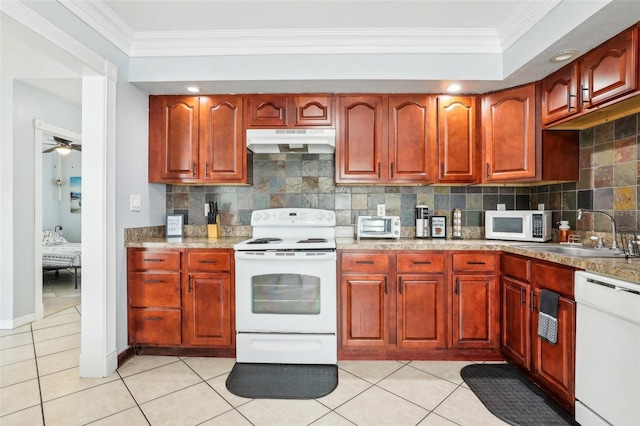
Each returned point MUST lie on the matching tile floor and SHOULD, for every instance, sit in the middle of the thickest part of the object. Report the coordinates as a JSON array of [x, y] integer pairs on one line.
[[60, 293], [40, 385]]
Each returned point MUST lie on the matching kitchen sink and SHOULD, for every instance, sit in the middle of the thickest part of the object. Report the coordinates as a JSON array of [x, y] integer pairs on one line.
[[576, 251]]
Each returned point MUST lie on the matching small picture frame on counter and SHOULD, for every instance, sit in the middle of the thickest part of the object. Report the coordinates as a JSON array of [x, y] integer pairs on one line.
[[175, 226], [438, 227]]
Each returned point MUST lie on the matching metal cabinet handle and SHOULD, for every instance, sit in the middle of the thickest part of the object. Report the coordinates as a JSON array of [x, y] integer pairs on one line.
[[364, 262], [153, 318], [207, 261], [153, 260], [472, 262], [392, 169], [457, 290], [379, 168], [569, 96], [533, 296], [521, 296], [194, 169], [488, 169], [206, 169], [426, 262], [386, 286], [441, 169], [189, 283], [582, 99], [152, 281], [400, 285]]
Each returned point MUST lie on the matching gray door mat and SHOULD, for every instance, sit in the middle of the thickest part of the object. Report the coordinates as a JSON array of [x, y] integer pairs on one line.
[[282, 381], [509, 395]]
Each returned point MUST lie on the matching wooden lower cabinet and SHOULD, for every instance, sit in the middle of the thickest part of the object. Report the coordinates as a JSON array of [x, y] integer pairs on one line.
[[552, 366], [402, 308], [181, 298]]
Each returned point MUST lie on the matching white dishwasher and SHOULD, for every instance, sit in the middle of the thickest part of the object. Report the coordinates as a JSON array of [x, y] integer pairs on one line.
[[607, 350]]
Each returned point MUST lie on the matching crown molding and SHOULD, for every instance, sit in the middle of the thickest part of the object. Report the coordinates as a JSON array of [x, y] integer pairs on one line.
[[523, 18], [303, 41]]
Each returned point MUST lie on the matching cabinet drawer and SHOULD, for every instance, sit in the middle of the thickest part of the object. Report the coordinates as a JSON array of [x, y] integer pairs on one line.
[[553, 277], [516, 267], [153, 260], [474, 262], [419, 262], [160, 290], [205, 261], [364, 262], [155, 326]]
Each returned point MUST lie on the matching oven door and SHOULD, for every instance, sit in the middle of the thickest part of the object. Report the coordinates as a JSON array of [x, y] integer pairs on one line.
[[286, 292]]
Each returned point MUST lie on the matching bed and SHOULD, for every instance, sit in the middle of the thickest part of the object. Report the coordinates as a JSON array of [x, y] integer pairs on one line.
[[58, 253]]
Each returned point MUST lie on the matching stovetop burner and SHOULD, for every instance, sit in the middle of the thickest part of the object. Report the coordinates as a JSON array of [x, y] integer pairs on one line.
[[265, 240], [312, 240]]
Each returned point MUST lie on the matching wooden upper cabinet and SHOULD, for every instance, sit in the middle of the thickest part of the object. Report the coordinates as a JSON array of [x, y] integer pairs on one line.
[[275, 111], [173, 138], [560, 94], [359, 147], [223, 151], [610, 70], [197, 139], [313, 110], [510, 134], [385, 139], [457, 140], [411, 134]]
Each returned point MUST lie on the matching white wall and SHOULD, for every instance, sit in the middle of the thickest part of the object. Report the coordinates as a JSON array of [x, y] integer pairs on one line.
[[31, 102]]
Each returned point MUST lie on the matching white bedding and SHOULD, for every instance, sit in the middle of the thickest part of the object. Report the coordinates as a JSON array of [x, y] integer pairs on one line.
[[62, 255]]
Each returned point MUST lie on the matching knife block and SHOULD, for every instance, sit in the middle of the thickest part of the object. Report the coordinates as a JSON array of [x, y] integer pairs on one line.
[[213, 230]]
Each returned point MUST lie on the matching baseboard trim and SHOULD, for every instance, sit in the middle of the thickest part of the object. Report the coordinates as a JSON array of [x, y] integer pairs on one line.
[[125, 356]]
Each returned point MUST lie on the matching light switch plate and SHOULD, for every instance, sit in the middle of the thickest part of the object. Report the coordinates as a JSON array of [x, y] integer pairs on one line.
[[541, 207], [502, 207], [381, 209], [135, 202]]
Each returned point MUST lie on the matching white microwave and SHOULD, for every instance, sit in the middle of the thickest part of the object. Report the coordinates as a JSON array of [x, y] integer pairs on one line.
[[518, 225]]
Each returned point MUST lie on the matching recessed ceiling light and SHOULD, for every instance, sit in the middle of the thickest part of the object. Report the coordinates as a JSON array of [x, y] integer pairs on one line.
[[193, 89], [454, 88], [565, 55]]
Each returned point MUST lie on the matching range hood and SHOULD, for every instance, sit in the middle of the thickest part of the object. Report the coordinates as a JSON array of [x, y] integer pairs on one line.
[[312, 141]]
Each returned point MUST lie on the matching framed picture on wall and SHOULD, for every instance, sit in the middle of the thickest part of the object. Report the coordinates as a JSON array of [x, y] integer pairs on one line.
[[175, 226], [438, 227]]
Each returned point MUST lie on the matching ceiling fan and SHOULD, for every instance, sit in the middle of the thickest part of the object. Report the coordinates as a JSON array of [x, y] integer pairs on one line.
[[62, 146]]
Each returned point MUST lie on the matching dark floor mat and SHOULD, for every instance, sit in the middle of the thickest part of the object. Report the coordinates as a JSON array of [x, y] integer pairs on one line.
[[511, 397], [282, 381]]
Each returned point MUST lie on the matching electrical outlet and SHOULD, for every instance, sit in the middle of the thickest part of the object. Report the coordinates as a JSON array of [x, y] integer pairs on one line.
[[502, 207], [541, 206], [381, 209], [135, 203]]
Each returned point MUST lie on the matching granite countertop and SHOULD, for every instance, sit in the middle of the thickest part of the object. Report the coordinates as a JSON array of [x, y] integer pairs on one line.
[[624, 269]]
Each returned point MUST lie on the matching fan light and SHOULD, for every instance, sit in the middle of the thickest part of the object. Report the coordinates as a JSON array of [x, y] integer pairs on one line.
[[63, 150]]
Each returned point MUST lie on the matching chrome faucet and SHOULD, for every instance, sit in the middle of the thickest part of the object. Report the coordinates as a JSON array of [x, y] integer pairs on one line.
[[614, 244]]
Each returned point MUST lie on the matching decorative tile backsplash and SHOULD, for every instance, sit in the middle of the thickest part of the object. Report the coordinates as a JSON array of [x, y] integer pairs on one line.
[[609, 180]]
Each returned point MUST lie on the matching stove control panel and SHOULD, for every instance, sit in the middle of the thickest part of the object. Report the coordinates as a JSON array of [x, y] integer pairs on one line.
[[293, 216]]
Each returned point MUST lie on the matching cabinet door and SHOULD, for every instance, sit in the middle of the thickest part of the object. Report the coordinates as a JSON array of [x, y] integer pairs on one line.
[[411, 135], [509, 136], [364, 310], [361, 140], [267, 111], [516, 340], [208, 310], [156, 327], [457, 139], [554, 365], [476, 313], [173, 138], [222, 148], [421, 312], [560, 97], [313, 110], [609, 70]]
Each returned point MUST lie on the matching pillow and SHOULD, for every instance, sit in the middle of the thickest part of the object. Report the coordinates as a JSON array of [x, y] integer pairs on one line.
[[51, 238]]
